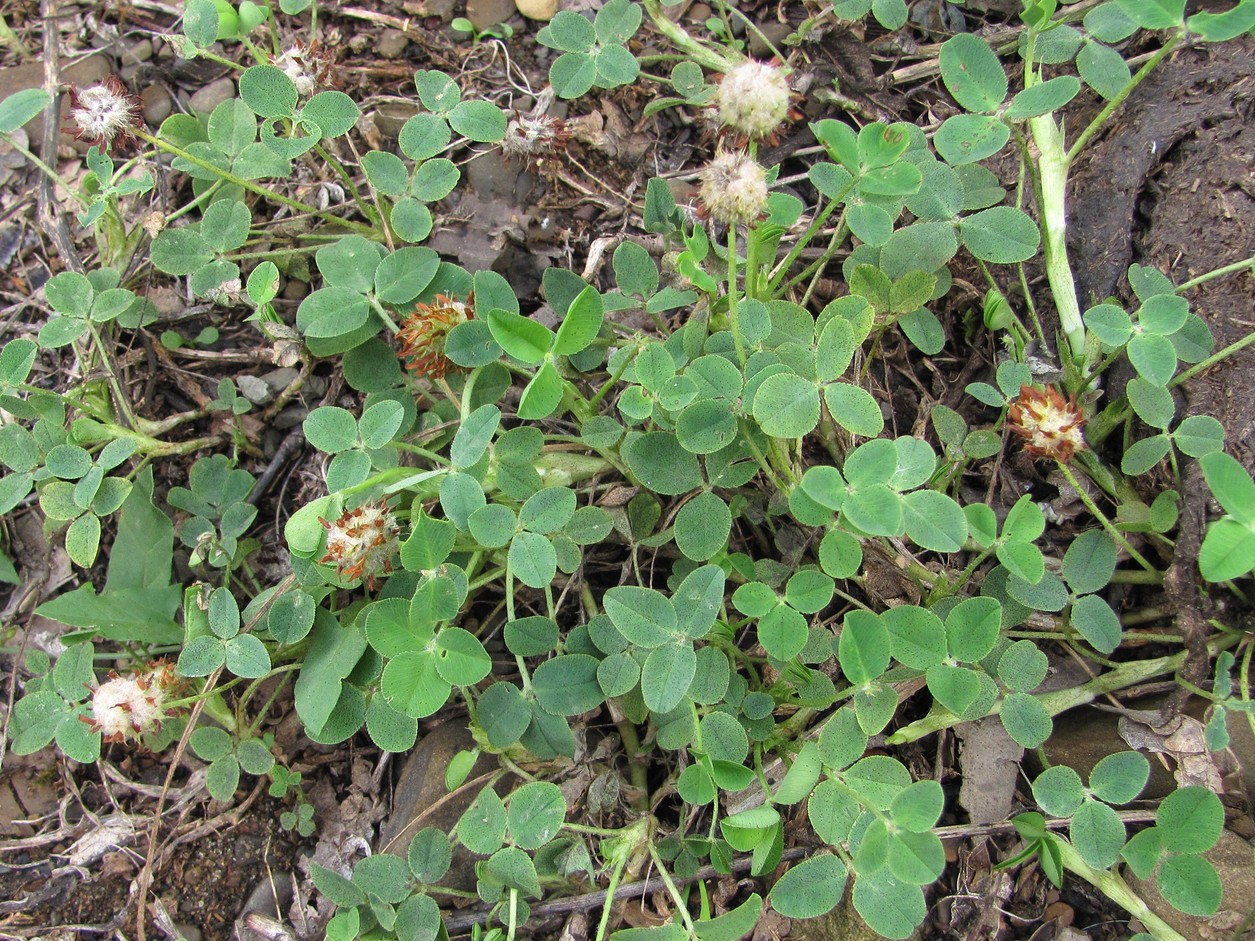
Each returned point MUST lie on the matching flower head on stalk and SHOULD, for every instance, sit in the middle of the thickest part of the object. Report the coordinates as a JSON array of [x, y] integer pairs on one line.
[[533, 137], [734, 188], [423, 334], [1051, 426], [362, 542], [753, 100], [310, 67], [104, 113], [130, 707]]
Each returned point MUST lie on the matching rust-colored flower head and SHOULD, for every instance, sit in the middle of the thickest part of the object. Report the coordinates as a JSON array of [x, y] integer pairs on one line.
[[1051, 426], [754, 99], [362, 542], [105, 113], [422, 335], [734, 188], [129, 707], [310, 67], [531, 137]]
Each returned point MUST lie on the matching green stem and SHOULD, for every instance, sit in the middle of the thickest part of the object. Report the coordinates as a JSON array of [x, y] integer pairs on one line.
[[1116, 889], [1101, 118], [1123, 676], [326, 215], [1090, 505], [675, 892], [733, 314], [1052, 167], [611, 888], [697, 51], [1248, 264], [1211, 360]]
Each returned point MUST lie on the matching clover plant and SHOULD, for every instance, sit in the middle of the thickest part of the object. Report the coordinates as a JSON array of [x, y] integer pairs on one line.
[[683, 530]]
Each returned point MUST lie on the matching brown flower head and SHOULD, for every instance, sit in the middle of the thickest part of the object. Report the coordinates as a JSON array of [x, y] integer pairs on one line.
[[531, 137], [310, 67], [422, 335], [105, 113], [129, 707], [1051, 426], [362, 542]]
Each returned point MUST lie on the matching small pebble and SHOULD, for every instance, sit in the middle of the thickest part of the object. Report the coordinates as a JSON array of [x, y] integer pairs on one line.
[[142, 51], [156, 104], [212, 95], [537, 9], [487, 13], [255, 390], [392, 44]]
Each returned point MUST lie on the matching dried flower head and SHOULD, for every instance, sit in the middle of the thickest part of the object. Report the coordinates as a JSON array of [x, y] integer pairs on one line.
[[105, 113], [734, 188], [753, 99], [310, 67], [530, 136], [129, 707], [362, 542], [422, 335], [1051, 426]]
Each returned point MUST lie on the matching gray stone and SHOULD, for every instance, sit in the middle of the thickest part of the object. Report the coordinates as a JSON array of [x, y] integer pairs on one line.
[[392, 44], [142, 51], [487, 13], [254, 389], [212, 95], [775, 31], [156, 104], [279, 379], [391, 116]]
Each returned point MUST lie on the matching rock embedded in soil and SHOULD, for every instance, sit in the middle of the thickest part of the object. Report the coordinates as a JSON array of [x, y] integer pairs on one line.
[[537, 9], [156, 104], [484, 14], [392, 44], [206, 99]]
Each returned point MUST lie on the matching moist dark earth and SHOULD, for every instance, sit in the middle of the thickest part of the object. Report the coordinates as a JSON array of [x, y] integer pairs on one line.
[[1170, 183]]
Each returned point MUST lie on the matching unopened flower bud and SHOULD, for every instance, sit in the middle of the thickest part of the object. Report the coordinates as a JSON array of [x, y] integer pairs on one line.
[[753, 99], [734, 188]]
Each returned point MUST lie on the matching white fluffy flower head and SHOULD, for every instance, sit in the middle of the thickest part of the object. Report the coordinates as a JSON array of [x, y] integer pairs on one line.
[[734, 188], [129, 707], [753, 99], [104, 112], [362, 542]]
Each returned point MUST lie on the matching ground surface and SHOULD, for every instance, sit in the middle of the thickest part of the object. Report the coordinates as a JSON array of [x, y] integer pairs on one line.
[[1171, 183]]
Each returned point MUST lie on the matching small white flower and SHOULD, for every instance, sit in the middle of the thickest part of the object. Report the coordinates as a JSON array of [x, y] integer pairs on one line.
[[734, 188], [362, 542], [753, 99], [129, 707], [291, 64], [104, 112]]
